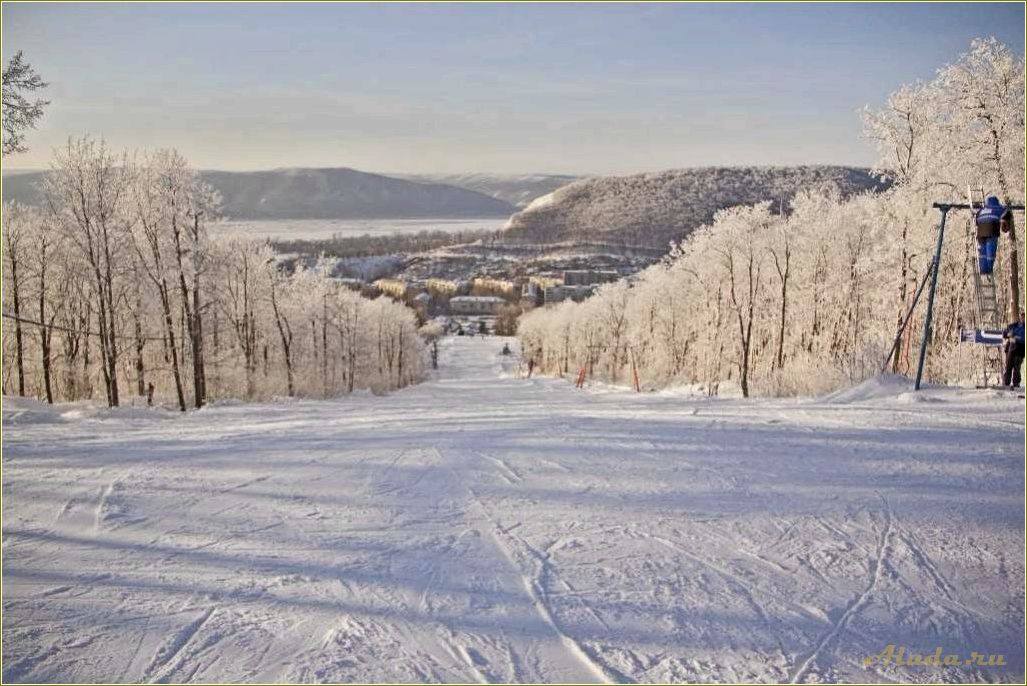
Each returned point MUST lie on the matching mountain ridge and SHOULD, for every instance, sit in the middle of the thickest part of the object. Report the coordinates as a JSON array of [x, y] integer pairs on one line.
[[318, 193], [654, 209], [517, 189]]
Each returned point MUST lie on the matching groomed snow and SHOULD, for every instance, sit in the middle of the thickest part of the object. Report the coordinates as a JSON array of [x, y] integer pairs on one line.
[[484, 527]]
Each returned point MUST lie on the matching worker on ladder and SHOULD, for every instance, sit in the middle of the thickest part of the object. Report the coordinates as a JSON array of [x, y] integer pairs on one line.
[[991, 218]]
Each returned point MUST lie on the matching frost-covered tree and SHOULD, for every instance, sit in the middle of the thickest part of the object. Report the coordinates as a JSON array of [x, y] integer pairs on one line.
[[811, 300], [963, 130], [87, 194], [17, 224], [19, 112], [118, 284]]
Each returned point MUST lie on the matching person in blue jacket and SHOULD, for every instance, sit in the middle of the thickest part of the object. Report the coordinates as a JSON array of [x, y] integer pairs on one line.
[[1013, 336], [991, 219]]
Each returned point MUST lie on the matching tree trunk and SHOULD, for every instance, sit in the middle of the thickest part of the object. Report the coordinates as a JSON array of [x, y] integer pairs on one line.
[[16, 298], [199, 368], [783, 274], [399, 365], [746, 347], [188, 332], [784, 318], [87, 388], [71, 349], [285, 333], [744, 327], [196, 330], [324, 345], [44, 333], [104, 354], [112, 342], [140, 344], [169, 326]]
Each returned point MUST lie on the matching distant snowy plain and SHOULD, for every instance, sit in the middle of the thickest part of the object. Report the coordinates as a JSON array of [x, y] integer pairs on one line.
[[483, 527], [322, 229]]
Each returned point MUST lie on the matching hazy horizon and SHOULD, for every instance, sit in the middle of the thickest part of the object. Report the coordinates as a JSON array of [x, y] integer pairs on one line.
[[398, 173], [494, 88]]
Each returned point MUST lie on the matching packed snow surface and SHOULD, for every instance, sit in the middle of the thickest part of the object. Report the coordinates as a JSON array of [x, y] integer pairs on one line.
[[485, 527]]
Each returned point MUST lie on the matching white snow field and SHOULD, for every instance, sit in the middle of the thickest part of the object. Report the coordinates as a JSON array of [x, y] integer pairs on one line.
[[486, 528]]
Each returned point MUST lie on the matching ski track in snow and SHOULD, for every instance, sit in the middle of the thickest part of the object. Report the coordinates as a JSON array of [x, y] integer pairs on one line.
[[857, 604], [484, 528]]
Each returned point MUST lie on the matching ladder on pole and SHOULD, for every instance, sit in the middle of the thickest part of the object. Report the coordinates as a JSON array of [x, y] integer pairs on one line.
[[989, 323]]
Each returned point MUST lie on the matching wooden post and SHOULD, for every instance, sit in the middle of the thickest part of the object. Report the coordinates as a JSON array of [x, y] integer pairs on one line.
[[1014, 274]]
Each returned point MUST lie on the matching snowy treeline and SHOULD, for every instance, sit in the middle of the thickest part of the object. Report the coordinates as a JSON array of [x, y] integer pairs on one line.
[[116, 285], [812, 300]]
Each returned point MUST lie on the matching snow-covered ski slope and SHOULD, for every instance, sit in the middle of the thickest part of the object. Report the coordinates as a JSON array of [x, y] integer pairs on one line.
[[483, 527]]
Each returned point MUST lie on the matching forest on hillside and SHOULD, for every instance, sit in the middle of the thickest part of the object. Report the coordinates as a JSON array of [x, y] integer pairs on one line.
[[657, 209], [811, 299]]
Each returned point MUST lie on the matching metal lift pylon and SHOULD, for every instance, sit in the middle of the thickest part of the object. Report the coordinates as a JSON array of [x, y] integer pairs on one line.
[[987, 305]]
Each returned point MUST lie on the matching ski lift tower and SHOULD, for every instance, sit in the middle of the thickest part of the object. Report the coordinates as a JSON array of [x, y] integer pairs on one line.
[[985, 288]]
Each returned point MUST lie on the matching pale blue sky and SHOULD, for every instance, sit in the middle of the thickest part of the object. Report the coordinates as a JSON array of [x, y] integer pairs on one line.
[[581, 88]]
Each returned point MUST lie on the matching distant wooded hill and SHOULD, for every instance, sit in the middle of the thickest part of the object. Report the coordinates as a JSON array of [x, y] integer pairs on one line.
[[657, 208], [336, 193], [648, 210], [516, 189]]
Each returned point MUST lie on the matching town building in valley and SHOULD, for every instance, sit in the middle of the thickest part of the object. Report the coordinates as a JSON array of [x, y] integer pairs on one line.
[[475, 304]]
